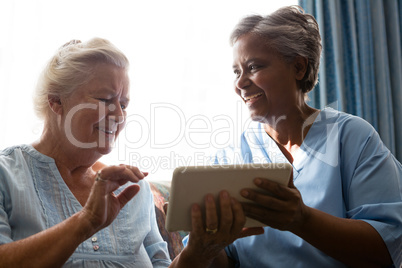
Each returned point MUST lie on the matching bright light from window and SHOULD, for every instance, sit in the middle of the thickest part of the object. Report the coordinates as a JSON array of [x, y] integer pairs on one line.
[[183, 105]]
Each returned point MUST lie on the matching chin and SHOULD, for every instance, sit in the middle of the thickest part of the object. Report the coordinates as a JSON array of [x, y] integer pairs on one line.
[[258, 117], [106, 148]]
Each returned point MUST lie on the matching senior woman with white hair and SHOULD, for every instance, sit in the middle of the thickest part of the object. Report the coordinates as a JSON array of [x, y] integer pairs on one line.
[[59, 206]]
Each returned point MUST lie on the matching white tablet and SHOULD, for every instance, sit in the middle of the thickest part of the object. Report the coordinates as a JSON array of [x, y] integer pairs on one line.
[[191, 184]]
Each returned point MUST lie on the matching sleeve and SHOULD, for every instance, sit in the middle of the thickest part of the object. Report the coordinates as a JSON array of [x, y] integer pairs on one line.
[[232, 254], [155, 246], [185, 240], [5, 229], [374, 187]]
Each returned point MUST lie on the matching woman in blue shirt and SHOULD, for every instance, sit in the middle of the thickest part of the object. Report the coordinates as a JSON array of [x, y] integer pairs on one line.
[[344, 204]]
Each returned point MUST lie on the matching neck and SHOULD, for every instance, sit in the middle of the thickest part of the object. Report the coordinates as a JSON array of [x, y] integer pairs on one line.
[[290, 127], [70, 160]]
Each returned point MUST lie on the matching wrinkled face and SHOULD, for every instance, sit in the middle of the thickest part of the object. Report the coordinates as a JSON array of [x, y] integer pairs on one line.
[[95, 113], [264, 80]]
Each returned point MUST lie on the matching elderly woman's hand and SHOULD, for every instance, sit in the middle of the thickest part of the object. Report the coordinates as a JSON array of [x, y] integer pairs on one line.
[[103, 205], [208, 238], [283, 209]]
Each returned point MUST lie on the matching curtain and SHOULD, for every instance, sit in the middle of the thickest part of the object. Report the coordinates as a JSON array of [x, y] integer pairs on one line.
[[361, 65]]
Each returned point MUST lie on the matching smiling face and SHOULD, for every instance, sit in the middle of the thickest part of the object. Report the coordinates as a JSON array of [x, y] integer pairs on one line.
[[264, 80], [95, 113]]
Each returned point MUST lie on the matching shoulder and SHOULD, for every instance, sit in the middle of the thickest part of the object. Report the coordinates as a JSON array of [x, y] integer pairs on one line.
[[345, 121], [355, 130], [23, 151], [359, 142], [349, 129], [10, 150], [11, 156], [13, 167]]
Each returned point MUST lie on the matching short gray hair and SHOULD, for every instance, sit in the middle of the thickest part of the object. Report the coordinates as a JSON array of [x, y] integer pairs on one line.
[[292, 33], [72, 66]]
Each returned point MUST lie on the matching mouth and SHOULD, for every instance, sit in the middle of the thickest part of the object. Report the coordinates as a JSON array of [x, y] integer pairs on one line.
[[252, 98], [107, 131]]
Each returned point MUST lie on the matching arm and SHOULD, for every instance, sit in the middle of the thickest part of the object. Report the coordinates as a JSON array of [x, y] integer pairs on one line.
[[353, 242], [52, 247], [49, 248]]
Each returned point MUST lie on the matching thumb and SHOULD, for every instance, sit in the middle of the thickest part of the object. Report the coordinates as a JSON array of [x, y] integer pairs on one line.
[[251, 231], [127, 194], [165, 207]]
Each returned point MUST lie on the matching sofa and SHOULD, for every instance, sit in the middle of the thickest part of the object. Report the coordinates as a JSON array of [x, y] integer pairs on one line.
[[160, 191]]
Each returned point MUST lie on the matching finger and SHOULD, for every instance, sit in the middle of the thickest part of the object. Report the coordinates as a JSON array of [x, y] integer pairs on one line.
[[251, 231], [112, 177], [122, 172], [239, 219], [276, 189], [196, 219], [211, 217], [253, 209], [259, 213], [226, 215], [104, 182], [132, 174], [165, 207], [136, 172], [268, 201], [108, 172], [127, 194]]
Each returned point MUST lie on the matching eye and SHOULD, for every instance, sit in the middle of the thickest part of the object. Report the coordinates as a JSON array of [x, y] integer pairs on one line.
[[237, 73], [102, 100], [123, 106], [253, 67]]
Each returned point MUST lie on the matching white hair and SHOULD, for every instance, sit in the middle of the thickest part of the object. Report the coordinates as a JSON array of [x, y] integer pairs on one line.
[[72, 66]]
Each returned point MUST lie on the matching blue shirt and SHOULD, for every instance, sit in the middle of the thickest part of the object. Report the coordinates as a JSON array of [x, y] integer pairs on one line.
[[34, 197], [341, 168]]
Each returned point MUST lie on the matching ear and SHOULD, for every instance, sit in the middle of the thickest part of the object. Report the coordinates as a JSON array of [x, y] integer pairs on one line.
[[300, 64], [55, 104]]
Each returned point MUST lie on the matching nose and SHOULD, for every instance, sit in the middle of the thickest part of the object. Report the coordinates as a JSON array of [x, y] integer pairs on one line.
[[242, 81], [116, 113]]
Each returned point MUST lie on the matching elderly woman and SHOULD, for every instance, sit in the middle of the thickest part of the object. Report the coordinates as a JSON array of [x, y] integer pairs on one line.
[[344, 203], [59, 206]]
